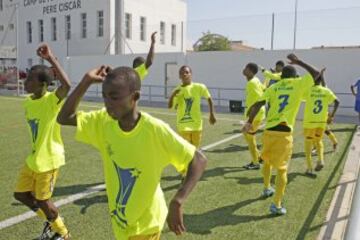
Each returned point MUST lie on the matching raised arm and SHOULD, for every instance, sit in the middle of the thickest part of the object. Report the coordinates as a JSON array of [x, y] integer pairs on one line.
[[45, 52], [150, 56], [293, 59], [175, 217], [67, 115]]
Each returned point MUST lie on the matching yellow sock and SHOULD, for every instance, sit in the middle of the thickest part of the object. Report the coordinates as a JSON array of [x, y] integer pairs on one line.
[[308, 149], [332, 138], [281, 181], [267, 174], [320, 150], [41, 214], [59, 227], [254, 152]]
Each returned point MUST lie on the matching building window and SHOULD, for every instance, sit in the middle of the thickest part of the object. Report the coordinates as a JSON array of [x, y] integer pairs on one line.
[[100, 23], [128, 25], [67, 27], [11, 26], [1, 28], [30, 63], [162, 32], [83, 25], [29, 32], [173, 34], [142, 28], [53, 29], [1, 5], [41, 30]]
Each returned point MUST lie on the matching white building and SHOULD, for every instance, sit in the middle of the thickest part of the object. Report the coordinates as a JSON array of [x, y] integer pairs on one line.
[[91, 27]]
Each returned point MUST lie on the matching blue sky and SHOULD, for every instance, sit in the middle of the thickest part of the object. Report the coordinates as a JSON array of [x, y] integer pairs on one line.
[[320, 22]]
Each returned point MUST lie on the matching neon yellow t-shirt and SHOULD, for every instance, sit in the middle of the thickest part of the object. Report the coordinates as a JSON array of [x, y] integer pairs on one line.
[[271, 78], [142, 71], [47, 146], [317, 99], [133, 163], [188, 103], [254, 90], [285, 99]]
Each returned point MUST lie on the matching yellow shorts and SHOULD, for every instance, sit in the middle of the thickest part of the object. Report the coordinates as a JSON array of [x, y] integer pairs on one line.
[[155, 236], [255, 127], [277, 148], [315, 133], [40, 184], [193, 137]]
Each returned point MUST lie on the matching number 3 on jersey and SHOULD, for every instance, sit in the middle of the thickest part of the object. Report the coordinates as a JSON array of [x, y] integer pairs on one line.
[[318, 107], [284, 102]]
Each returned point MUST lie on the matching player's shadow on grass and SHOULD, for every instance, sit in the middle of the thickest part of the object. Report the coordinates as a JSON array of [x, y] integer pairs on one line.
[[214, 172], [203, 223], [85, 203], [231, 148], [302, 154], [259, 180], [72, 189]]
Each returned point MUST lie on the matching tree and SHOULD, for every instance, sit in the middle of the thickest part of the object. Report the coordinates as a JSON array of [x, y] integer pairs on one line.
[[212, 42]]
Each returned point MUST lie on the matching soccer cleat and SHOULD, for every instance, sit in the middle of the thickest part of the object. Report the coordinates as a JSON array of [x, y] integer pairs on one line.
[[252, 166], [319, 166], [277, 211], [47, 233], [59, 237], [261, 161], [268, 192], [334, 147]]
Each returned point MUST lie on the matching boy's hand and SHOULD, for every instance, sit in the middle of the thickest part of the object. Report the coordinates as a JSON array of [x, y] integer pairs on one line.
[[175, 219], [293, 59], [97, 75], [44, 52], [153, 37], [247, 127], [212, 119]]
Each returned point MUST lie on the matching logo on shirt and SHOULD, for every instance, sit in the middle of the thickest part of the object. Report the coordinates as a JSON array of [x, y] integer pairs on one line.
[[127, 179], [187, 116], [34, 127]]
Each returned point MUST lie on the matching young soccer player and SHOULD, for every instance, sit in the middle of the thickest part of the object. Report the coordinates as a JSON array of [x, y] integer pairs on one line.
[[316, 117], [356, 93], [135, 148], [273, 76], [141, 65], [187, 99], [285, 99], [253, 91], [38, 176]]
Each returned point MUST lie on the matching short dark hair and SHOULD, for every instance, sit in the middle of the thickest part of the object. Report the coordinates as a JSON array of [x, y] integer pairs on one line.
[[253, 67], [43, 73], [127, 75], [138, 61], [183, 67], [289, 72], [280, 63]]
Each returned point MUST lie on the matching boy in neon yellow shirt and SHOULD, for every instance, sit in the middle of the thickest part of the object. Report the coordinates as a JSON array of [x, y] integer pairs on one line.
[[285, 100], [187, 99], [253, 91], [272, 76], [37, 178], [316, 117], [140, 65], [135, 148]]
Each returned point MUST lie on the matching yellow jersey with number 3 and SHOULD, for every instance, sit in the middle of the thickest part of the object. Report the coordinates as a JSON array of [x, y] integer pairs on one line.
[[285, 99], [317, 99]]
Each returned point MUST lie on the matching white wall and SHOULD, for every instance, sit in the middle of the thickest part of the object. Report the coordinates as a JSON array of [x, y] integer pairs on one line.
[[224, 69]]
